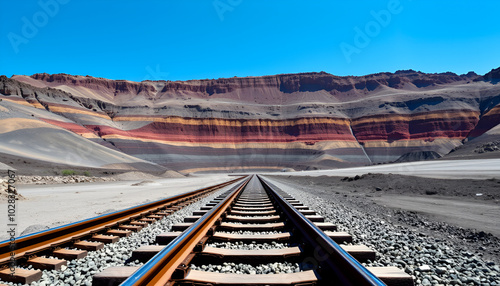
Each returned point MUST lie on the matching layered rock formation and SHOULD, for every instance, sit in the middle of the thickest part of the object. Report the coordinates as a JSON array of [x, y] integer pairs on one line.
[[300, 121]]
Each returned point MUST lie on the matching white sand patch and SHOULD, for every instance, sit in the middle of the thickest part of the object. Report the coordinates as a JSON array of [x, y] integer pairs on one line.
[[441, 169]]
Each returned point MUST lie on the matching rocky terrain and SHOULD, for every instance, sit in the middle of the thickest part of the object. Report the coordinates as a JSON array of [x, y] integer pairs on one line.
[[300, 121], [6, 189], [46, 180]]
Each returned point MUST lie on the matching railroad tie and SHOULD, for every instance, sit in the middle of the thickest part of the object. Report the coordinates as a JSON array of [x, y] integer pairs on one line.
[[166, 237], [20, 275], [361, 253], [113, 275], [253, 219], [269, 212], [181, 226], [119, 232], [105, 238], [326, 226], [252, 227], [134, 228], [392, 275], [157, 216], [88, 245], [139, 223], [213, 278], [192, 218], [47, 263], [282, 236], [315, 218], [70, 254], [164, 213], [253, 208], [339, 236], [146, 252], [250, 256], [307, 212]]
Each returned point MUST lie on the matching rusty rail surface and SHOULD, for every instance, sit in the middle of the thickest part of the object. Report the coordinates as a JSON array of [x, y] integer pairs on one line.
[[32, 244]]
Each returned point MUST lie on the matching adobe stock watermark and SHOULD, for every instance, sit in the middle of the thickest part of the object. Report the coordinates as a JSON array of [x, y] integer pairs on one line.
[[155, 74], [31, 26], [12, 222], [372, 29], [223, 6]]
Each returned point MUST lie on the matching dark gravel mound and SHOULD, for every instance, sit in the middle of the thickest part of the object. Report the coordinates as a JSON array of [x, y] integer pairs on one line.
[[418, 156]]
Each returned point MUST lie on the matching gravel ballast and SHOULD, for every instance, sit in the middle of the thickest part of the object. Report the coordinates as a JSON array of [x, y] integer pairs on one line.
[[248, 232], [241, 268], [248, 246], [430, 260]]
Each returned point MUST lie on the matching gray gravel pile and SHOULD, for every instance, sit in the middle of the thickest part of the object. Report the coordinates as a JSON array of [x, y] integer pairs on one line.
[[240, 268], [431, 261], [248, 246], [248, 232], [80, 271]]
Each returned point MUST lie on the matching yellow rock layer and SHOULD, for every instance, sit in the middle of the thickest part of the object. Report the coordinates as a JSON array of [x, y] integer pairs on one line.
[[13, 124], [330, 144], [411, 143], [234, 122], [399, 117], [37, 105], [18, 101], [495, 110]]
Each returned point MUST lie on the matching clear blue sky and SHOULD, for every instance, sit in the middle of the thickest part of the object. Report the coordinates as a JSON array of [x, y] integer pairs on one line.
[[180, 40]]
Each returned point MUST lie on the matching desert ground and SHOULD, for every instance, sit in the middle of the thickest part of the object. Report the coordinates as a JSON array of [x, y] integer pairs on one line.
[[464, 212]]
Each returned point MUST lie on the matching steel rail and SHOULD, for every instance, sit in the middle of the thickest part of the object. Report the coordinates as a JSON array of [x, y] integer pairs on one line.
[[31, 244], [338, 267], [159, 269]]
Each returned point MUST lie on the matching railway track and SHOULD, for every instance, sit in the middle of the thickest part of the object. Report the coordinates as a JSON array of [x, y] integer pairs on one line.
[[22, 260], [253, 234]]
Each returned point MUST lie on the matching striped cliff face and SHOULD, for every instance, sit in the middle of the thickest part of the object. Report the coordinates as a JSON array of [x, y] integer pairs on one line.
[[288, 121], [197, 143], [386, 137]]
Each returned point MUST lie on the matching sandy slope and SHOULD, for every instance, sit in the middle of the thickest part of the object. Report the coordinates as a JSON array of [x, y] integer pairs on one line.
[[24, 134]]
